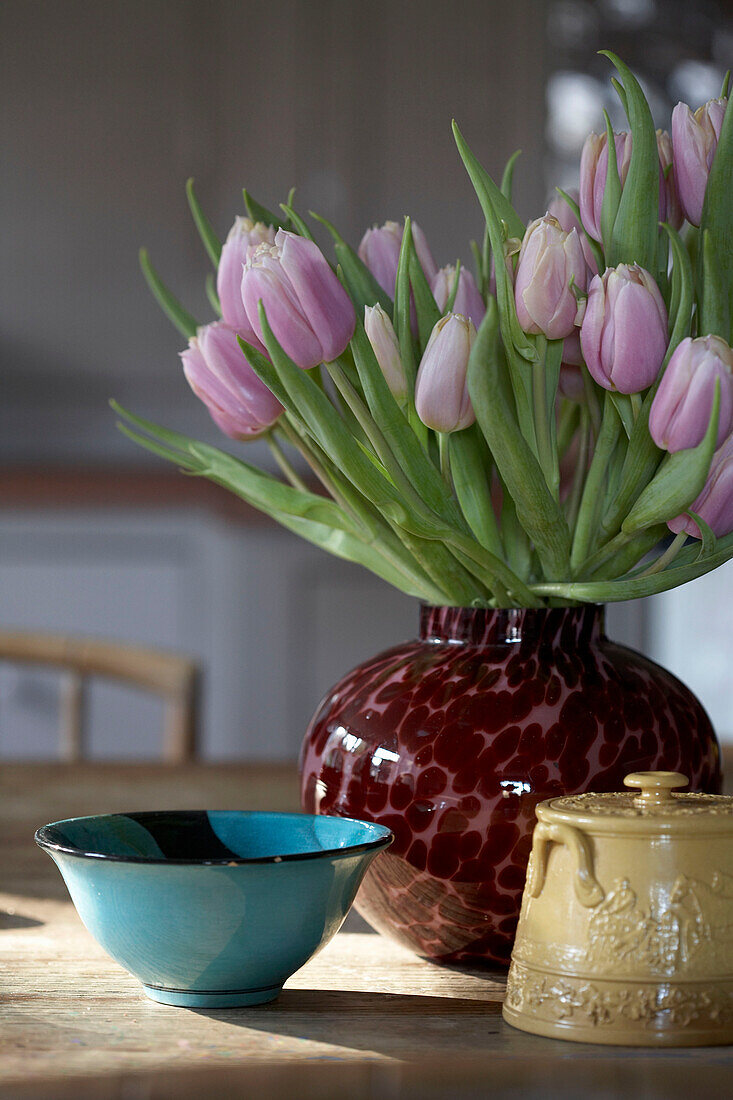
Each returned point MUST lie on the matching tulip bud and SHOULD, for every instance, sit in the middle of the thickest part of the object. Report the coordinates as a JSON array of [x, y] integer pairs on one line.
[[624, 330], [670, 208], [468, 301], [380, 251], [550, 260], [593, 171], [683, 404], [386, 348], [308, 310], [559, 209], [715, 503], [441, 392], [244, 235], [570, 383], [694, 141], [219, 374]]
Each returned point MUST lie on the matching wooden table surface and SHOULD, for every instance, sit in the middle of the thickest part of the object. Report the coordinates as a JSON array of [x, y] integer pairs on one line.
[[364, 1019]]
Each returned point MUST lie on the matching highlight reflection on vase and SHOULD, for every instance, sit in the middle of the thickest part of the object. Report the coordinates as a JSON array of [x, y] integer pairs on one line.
[[452, 740]]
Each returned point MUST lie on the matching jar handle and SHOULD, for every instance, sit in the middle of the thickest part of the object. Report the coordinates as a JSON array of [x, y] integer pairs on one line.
[[588, 890]]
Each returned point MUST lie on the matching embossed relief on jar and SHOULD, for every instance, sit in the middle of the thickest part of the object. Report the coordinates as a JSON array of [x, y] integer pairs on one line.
[[693, 924], [663, 939], [586, 1003]]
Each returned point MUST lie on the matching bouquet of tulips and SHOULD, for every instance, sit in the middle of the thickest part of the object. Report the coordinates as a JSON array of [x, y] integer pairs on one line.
[[525, 436]]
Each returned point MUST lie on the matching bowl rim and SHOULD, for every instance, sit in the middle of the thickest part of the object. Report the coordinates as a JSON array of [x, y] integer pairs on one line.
[[375, 844]]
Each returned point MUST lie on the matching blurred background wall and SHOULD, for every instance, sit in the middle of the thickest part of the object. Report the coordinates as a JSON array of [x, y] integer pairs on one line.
[[108, 107]]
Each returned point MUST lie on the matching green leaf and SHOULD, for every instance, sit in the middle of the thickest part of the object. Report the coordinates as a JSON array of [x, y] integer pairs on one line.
[[300, 395], [622, 401], [471, 467], [500, 219], [259, 213], [360, 283], [507, 180], [211, 242], [483, 181], [406, 447], [537, 510], [315, 518], [635, 231], [402, 323], [592, 498], [709, 541], [611, 196], [633, 588], [679, 480], [717, 220], [297, 222], [715, 303], [683, 288], [428, 313], [174, 311]]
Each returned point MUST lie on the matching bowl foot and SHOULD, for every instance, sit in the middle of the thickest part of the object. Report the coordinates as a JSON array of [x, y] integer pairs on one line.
[[214, 998]]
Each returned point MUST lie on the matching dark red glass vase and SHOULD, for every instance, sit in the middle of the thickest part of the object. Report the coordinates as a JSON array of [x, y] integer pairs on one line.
[[452, 739]]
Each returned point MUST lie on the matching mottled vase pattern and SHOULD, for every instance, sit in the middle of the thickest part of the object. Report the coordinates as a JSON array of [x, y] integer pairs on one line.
[[452, 739]]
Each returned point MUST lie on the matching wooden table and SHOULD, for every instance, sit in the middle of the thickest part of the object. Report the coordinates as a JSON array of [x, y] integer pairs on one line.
[[363, 1019]]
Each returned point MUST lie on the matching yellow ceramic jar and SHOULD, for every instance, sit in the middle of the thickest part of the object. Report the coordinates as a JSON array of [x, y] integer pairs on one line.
[[626, 929]]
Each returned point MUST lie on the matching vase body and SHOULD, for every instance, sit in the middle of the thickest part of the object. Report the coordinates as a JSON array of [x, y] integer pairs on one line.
[[451, 740]]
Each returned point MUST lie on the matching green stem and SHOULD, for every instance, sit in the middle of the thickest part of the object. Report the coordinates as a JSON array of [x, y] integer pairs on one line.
[[591, 499], [604, 554], [591, 397], [494, 569], [581, 465], [377, 534], [636, 405], [669, 555], [444, 452], [545, 451], [293, 477]]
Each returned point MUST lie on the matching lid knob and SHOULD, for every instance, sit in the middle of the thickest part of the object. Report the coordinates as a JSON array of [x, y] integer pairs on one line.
[[656, 787]]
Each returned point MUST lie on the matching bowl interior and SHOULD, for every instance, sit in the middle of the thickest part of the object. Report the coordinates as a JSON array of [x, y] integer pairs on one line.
[[214, 836]]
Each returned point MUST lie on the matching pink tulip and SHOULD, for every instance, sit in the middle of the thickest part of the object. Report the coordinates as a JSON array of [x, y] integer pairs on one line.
[[550, 262], [683, 404], [441, 391], [624, 330], [594, 168], [308, 310], [715, 503], [386, 348], [218, 373], [570, 383], [564, 214], [670, 208], [571, 350], [694, 140], [468, 301], [243, 236], [380, 251]]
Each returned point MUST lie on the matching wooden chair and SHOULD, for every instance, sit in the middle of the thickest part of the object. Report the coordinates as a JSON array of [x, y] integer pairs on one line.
[[175, 678]]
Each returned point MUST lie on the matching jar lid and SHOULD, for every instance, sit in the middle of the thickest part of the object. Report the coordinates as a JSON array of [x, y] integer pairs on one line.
[[652, 808]]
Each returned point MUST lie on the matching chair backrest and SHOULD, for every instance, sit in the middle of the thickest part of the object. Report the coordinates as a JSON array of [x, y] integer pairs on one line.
[[173, 677]]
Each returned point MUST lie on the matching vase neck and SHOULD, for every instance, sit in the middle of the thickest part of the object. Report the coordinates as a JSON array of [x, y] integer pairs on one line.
[[565, 627]]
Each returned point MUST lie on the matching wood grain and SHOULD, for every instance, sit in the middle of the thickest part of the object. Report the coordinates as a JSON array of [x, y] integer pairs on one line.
[[74, 1024]]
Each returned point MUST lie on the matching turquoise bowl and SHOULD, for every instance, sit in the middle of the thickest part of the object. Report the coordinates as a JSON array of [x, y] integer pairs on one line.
[[212, 909]]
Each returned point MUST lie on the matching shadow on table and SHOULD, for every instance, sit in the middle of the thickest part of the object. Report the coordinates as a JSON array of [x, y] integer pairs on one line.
[[390, 1024], [15, 920]]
